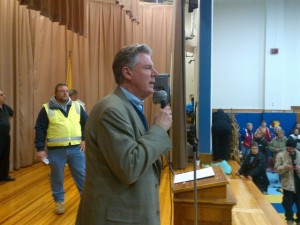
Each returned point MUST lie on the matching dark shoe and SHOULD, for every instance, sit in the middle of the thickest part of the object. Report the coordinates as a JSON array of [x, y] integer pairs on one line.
[[8, 178]]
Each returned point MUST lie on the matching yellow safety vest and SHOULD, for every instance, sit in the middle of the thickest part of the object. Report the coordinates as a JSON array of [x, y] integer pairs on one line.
[[63, 131]]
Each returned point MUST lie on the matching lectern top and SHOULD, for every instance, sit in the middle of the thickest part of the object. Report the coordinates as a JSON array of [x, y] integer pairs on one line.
[[219, 179]]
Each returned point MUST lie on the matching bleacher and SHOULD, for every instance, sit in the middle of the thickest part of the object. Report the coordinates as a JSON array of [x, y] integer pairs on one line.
[[235, 167], [252, 207]]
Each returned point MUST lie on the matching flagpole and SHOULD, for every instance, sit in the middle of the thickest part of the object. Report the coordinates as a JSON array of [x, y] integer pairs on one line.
[[69, 72]]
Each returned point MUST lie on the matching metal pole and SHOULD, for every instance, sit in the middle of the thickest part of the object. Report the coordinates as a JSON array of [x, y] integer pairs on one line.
[[195, 185]]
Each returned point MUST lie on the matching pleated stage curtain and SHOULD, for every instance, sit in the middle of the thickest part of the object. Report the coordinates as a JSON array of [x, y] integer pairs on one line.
[[34, 56], [130, 7], [66, 12]]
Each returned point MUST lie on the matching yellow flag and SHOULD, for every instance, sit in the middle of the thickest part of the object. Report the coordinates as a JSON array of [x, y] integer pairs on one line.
[[69, 73]]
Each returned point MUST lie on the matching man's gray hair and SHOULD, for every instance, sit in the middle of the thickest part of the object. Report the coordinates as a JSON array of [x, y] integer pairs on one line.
[[249, 124], [255, 144], [127, 57]]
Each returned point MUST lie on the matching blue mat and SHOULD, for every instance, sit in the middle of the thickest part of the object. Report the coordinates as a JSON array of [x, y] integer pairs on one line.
[[279, 208]]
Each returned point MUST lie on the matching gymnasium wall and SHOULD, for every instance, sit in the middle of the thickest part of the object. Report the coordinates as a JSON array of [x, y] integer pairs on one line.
[[286, 120]]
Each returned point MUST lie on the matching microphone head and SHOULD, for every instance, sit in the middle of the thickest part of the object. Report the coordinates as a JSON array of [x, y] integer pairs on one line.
[[160, 96]]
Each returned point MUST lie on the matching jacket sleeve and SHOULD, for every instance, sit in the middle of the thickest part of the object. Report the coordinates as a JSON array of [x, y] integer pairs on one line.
[[83, 118], [265, 148], [130, 154], [242, 135], [242, 170], [10, 111], [271, 146], [259, 168], [41, 127], [279, 163]]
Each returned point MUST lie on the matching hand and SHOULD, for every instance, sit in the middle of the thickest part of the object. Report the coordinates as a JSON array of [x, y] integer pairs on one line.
[[288, 167], [297, 167], [40, 155], [82, 146], [164, 118]]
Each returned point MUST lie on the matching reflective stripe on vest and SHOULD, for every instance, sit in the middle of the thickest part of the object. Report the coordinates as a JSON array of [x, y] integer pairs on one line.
[[63, 131], [63, 139]]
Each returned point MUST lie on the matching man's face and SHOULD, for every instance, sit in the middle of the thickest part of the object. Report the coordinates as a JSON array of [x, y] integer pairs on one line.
[[259, 134], [142, 76], [62, 94], [254, 150], [280, 134], [2, 97], [291, 150], [74, 97], [250, 127]]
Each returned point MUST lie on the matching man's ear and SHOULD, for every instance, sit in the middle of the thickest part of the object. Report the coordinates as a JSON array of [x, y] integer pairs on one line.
[[126, 72]]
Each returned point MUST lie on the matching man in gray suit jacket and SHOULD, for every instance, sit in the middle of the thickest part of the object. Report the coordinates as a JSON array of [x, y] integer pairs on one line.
[[122, 153]]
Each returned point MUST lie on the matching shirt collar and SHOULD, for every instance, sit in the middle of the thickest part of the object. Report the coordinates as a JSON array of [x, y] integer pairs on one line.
[[132, 98]]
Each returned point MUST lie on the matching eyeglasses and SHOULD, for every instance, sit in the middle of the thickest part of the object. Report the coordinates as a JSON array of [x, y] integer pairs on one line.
[[63, 91]]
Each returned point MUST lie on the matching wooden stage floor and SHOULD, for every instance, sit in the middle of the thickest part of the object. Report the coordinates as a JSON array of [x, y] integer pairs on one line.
[[28, 200]]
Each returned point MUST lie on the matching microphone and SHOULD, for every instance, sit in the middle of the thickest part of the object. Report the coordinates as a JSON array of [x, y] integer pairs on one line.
[[160, 97]]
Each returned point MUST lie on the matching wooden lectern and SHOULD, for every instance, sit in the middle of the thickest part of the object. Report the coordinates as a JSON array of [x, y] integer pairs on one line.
[[214, 205]]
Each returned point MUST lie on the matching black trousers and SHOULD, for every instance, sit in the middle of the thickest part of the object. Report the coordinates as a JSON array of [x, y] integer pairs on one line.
[[262, 182], [4, 155], [221, 146], [289, 198]]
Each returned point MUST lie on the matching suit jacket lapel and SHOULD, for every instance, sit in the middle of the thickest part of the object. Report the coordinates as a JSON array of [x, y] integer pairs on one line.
[[157, 164], [142, 117], [120, 93]]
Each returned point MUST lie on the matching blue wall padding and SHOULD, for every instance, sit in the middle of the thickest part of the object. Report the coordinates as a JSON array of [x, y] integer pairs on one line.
[[287, 120]]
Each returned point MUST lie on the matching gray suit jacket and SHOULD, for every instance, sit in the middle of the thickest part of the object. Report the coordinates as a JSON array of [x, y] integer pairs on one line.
[[122, 176]]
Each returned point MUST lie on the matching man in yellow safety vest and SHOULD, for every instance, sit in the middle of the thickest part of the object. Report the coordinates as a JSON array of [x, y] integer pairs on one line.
[[60, 126]]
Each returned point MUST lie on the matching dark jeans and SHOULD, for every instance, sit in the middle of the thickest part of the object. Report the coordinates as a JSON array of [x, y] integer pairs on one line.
[[289, 198], [4, 155]]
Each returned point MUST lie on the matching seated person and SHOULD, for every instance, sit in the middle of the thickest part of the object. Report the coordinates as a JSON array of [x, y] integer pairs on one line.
[[262, 145], [296, 137], [254, 169], [278, 144], [265, 131]]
